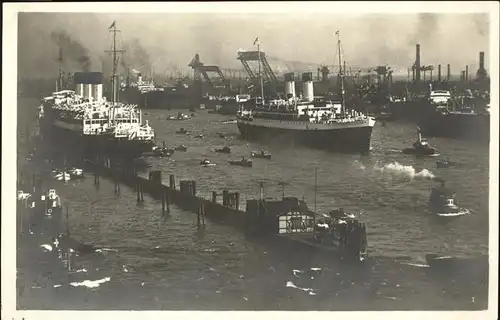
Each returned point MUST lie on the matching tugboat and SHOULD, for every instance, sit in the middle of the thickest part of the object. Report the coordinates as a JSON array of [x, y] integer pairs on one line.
[[182, 131], [226, 149], [421, 147], [442, 202], [262, 154], [243, 162], [206, 163], [182, 148]]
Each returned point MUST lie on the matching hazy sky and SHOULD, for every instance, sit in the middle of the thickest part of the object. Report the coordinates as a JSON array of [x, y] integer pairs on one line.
[[171, 40]]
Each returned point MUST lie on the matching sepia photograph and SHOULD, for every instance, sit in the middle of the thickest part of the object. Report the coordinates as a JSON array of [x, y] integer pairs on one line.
[[235, 157]]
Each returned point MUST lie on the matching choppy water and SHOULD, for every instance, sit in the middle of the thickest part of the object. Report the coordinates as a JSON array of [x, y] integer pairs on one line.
[[168, 264]]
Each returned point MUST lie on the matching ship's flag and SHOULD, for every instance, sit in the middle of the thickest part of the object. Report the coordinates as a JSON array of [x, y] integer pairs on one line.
[[256, 41], [112, 25]]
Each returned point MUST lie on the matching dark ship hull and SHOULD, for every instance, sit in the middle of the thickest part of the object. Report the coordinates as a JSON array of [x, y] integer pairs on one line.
[[158, 99], [411, 111], [456, 125], [349, 139], [75, 141]]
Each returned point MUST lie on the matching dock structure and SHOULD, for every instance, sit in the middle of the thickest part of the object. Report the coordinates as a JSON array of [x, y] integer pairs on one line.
[[260, 218]]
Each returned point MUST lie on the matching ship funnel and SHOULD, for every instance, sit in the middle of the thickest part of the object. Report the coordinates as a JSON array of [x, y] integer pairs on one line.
[[439, 73], [290, 85], [139, 77], [89, 85], [307, 86], [448, 72]]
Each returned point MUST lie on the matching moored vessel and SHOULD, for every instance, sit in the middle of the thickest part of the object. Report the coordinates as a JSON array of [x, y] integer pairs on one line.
[[310, 121]]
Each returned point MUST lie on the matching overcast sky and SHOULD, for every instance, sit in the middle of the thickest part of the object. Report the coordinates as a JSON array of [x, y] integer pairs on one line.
[[169, 41]]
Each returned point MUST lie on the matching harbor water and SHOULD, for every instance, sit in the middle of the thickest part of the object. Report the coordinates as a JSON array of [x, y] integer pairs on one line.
[[167, 264]]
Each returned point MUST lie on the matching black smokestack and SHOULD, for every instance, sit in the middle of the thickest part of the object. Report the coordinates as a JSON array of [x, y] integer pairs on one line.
[[439, 73], [448, 72], [466, 73], [481, 72], [417, 64]]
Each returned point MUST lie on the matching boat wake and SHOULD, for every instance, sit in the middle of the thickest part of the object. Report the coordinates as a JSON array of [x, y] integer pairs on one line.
[[396, 169], [290, 284]]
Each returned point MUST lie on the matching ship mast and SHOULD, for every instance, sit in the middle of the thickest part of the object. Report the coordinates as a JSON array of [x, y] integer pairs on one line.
[[115, 58], [341, 73], [260, 73], [59, 82]]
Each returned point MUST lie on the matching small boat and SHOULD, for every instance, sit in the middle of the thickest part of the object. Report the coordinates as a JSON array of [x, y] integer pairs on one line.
[[162, 151], [60, 175], [182, 148], [180, 116], [228, 121], [21, 195], [206, 163], [446, 164], [182, 131], [199, 136], [262, 154], [221, 135], [243, 162], [226, 149], [421, 147], [442, 202], [75, 173]]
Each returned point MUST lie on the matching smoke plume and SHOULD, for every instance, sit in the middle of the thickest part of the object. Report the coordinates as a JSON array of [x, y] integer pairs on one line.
[[72, 49]]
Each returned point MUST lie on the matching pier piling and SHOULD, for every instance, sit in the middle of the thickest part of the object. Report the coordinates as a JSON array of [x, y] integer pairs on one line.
[[172, 181], [163, 201]]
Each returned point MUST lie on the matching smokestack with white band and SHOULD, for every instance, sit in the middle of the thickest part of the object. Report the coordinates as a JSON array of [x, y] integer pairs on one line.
[[290, 85], [307, 86]]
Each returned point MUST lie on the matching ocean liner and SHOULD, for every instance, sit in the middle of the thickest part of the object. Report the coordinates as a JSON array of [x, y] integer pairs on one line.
[[464, 116], [310, 121], [85, 118]]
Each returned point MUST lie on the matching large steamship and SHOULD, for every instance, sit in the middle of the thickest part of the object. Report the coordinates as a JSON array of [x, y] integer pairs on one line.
[[307, 120], [86, 116]]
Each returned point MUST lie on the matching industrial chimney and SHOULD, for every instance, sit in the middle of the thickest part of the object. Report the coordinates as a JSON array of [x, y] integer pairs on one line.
[[448, 72], [439, 73], [417, 64], [466, 74], [307, 86], [290, 85], [481, 72]]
